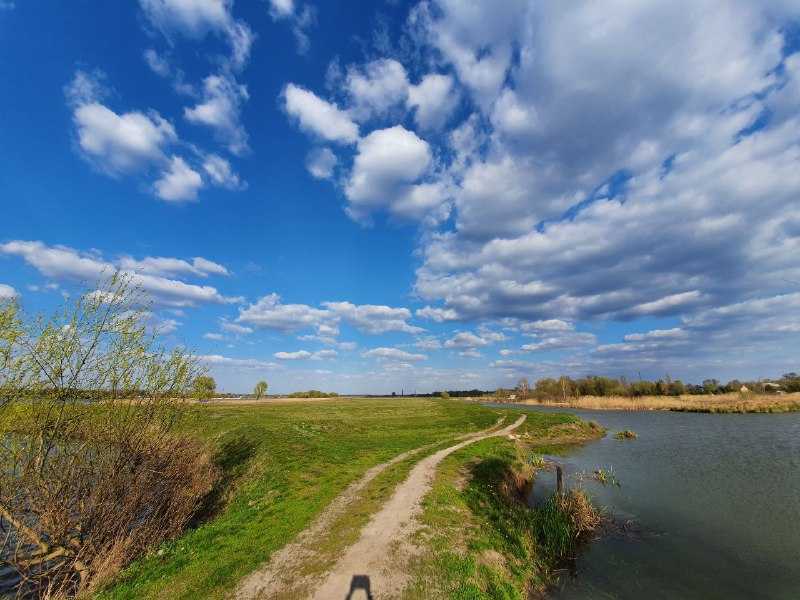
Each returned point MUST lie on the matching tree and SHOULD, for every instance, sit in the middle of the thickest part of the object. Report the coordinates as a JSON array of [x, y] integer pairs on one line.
[[444, 395], [260, 389], [204, 387], [523, 387], [90, 465]]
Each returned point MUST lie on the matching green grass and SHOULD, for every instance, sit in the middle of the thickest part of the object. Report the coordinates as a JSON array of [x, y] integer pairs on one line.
[[479, 543], [284, 463]]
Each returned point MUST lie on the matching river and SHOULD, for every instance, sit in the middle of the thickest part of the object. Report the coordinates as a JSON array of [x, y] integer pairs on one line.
[[714, 499]]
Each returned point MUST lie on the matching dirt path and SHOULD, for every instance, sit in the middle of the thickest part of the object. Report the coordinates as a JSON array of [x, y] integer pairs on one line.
[[376, 563], [283, 577]]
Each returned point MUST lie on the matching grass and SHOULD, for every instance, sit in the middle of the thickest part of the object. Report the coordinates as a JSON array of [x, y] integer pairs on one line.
[[718, 403], [480, 540], [283, 464], [627, 434]]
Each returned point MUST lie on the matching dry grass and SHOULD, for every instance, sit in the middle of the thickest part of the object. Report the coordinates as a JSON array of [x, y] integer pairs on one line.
[[719, 403]]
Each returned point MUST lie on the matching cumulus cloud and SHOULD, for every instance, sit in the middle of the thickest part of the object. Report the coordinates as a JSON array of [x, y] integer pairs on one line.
[[376, 88], [317, 116], [115, 143], [219, 171], [468, 339], [393, 354], [434, 99], [220, 109], [167, 266], [299, 355], [179, 182], [561, 341], [386, 174], [64, 263], [437, 314], [321, 162], [269, 313], [373, 319], [7, 292], [197, 18], [234, 328], [217, 360]]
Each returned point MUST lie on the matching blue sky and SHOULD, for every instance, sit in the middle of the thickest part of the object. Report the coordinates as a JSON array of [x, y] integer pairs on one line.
[[415, 195]]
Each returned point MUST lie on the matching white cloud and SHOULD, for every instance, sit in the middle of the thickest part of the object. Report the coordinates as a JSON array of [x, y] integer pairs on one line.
[[280, 9], [467, 339], [317, 116], [220, 172], [545, 326], [301, 20], [217, 360], [217, 337], [220, 110], [299, 355], [377, 88], [197, 18], [373, 319], [179, 182], [269, 313], [428, 343], [393, 354], [166, 266], [434, 100], [234, 328], [7, 292], [157, 63], [561, 341], [437, 314], [64, 263], [388, 164], [321, 163], [324, 354], [121, 143]]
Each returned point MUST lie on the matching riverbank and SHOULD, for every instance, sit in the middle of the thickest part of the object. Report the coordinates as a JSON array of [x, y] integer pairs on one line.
[[284, 464], [717, 403], [480, 538]]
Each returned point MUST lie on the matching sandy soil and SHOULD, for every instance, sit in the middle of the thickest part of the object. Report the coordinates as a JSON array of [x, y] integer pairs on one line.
[[282, 577], [379, 559]]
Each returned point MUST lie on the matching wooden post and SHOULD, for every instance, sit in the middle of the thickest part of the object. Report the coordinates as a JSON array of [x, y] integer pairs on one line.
[[559, 479]]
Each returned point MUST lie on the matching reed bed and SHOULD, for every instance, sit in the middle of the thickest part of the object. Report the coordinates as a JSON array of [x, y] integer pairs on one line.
[[717, 403]]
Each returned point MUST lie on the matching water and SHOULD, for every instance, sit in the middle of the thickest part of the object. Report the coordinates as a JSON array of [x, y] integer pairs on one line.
[[715, 500]]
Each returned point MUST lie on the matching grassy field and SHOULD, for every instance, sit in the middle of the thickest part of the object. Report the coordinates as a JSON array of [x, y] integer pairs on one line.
[[480, 539], [718, 403], [283, 463]]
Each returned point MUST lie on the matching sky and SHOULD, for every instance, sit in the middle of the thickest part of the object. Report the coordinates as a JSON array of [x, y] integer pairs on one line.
[[414, 196]]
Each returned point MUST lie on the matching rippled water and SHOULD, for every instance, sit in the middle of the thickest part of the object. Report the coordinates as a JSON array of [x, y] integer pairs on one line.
[[715, 500]]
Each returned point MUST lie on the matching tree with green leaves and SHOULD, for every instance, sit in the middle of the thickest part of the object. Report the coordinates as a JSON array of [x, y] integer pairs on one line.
[[91, 465], [204, 387], [260, 389]]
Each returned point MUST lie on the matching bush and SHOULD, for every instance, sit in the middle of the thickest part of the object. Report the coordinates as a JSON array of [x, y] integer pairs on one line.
[[86, 486]]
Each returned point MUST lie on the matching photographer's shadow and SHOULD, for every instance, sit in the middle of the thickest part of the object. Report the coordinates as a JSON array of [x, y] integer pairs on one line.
[[359, 582]]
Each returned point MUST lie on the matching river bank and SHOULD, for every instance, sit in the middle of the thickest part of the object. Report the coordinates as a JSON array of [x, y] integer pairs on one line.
[[716, 403]]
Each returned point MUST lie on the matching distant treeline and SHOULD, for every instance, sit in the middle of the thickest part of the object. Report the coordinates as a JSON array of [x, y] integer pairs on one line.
[[312, 394], [566, 387]]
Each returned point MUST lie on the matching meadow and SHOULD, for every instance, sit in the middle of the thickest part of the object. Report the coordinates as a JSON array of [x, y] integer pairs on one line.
[[283, 464]]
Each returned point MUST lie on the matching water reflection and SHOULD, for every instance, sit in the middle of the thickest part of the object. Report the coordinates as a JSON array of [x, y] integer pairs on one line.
[[716, 499]]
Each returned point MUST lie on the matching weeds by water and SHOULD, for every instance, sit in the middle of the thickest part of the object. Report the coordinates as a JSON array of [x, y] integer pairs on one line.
[[627, 434]]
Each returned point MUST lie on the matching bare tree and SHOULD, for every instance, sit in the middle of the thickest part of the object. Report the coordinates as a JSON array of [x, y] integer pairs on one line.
[[91, 473]]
